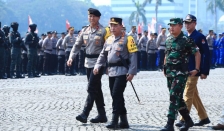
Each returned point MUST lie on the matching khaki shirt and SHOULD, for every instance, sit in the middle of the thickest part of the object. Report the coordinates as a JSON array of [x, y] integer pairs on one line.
[[142, 42], [68, 42], [124, 46], [47, 45], [160, 42], [41, 51], [60, 48], [94, 40], [54, 42], [151, 46], [210, 42]]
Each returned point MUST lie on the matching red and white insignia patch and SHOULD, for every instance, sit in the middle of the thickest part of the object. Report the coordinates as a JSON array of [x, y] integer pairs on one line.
[[203, 41]]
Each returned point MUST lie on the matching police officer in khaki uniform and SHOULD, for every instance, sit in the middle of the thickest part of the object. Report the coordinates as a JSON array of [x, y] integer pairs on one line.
[[68, 43], [151, 51], [54, 60], [210, 41], [120, 51], [2, 53], [160, 42], [93, 37], [47, 46], [61, 55], [41, 55], [142, 42]]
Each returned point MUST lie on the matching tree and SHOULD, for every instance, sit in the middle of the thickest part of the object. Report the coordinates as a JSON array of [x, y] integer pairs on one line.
[[212, 6], [140, 11], [158, 3]]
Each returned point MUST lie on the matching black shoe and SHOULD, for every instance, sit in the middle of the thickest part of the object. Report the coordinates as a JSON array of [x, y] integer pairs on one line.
[[202, 122], [30, 76], [187, 125], [19, 76], [99, 119], [168, 128], [36, 75], [82, 118], [2, 76], [114, 122], [123, 122], [67, 74], [179, 124]]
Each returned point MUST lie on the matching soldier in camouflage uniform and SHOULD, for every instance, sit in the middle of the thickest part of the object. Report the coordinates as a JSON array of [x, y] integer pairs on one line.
[[178, 49], [120, 51], [32, 41], [93, 37]]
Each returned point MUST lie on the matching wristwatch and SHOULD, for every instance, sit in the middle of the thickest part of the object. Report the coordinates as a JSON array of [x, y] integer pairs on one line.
[[197, 70]]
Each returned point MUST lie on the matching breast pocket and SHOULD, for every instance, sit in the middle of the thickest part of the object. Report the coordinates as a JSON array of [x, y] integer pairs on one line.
[[119, 47], [85, 39], [97, 40]]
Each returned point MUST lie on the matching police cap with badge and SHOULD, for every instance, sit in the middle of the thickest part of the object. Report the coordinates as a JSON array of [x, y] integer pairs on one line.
[[94, 12], [190, 18], [115, 20]]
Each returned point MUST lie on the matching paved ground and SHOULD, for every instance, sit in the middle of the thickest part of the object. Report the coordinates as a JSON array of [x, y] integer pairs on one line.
[[50, 103]]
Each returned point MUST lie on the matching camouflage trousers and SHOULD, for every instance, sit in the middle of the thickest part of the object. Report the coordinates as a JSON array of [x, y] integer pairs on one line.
[[176, 87]]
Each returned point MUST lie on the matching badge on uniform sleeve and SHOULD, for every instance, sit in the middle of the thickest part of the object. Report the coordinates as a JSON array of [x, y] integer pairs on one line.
[[131, 45], [203, 41]]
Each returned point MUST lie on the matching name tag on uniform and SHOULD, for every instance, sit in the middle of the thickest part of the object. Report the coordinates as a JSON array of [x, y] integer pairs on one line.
[[108, 48], [85, 36], [97, 37]]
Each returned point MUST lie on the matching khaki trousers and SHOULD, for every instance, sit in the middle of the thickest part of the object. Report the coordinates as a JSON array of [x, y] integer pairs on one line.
[[191, 97]]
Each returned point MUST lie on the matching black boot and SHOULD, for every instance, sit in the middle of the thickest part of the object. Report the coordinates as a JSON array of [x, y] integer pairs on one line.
[[2, 76], [179, 124], [30, 75], [12, 76], [19, 76], [169, 125], [82, 117], [36, 75], [114, 122], [188, 121], [101, 117], [123, 121]]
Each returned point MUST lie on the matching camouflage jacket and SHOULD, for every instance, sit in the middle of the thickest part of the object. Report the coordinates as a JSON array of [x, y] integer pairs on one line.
[[178, 51]]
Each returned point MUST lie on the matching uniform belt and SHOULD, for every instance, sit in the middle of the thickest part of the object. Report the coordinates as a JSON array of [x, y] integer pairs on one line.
[[69, 46], [119, 63], [48, 50], [62, 49], [92, 56], [162, 45], [54, 48], [152, 49]]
